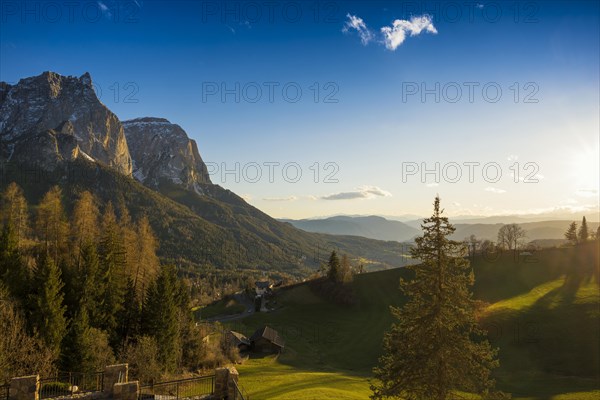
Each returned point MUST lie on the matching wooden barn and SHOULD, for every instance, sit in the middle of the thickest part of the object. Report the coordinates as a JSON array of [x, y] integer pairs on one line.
[[267, 340]]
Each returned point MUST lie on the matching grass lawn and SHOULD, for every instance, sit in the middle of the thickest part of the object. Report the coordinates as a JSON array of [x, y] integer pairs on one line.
[[547, 332], [221, 307]]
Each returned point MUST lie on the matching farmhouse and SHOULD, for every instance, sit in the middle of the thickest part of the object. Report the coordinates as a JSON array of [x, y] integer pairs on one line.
[[263, 287], [267, 340]]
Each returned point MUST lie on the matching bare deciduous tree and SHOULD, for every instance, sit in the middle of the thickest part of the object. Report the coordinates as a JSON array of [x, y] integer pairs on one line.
[[510, 236]]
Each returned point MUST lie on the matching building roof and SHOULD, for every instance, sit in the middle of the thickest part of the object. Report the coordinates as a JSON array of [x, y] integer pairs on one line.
[[238, 338], [263, 284], [270, 334]]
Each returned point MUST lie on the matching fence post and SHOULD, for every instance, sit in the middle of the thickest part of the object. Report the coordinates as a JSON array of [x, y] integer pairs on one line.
[[114, 374], [221, 379], [232, 380], [24, 388]]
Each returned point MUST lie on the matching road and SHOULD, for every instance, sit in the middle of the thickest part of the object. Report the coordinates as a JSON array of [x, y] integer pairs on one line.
[[241, 298]]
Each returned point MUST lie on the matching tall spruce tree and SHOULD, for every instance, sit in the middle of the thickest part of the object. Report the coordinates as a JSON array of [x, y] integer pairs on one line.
[[113, 277], [161, 317], [571, 233], [583, 231], [334, 267], [48, 310], [435, 347]]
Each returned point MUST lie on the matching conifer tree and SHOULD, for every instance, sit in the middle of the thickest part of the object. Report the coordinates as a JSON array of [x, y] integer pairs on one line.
[[334, 267], [345, 274], [161, 320], [84, 223], [571, 233], [48, 310], [583, 231], [14, 211], [89, 282], [12, 268], [435, 347], [112, 280], [51, 224], [85, 349], [147, 264]]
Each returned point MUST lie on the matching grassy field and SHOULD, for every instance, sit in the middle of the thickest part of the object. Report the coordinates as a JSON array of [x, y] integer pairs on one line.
[[221, 307], [543, 315]]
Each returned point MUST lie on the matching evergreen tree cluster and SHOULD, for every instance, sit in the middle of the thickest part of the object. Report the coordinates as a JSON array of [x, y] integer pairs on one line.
[[84, 289], [582, 235]]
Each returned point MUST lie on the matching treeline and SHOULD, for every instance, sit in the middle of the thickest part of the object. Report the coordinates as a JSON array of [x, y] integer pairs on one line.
[[335, 282], [85, 289]]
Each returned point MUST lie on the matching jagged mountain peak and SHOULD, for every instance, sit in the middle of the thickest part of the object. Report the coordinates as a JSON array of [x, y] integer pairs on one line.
[[63, 104], [161, 151]]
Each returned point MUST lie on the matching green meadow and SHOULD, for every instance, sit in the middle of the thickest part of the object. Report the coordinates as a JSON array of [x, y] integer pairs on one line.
[[542, 311]]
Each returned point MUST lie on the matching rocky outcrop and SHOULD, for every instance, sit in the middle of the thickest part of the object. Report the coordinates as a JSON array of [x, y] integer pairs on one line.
[[163, 151], [50, 117]]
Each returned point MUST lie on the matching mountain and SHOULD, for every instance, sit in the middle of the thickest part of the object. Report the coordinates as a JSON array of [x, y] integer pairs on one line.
[[380, 228], [372, 227], [161, 150], [57, 127], [51, 118]]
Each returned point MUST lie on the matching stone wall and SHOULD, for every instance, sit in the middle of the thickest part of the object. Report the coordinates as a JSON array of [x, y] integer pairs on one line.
[[126, 391], [24, 388], [116, 385]]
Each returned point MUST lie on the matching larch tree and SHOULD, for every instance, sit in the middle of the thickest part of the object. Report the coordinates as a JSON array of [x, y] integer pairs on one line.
[[435, 347], [51, 224], [84, 223], [14, 211], [148, 263]]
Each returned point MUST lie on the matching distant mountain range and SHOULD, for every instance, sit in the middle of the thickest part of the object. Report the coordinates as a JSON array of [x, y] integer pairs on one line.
[[373, 227], [376, 227]]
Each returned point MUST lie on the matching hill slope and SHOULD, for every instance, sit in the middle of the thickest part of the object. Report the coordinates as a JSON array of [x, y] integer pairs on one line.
[[545, 324], [216, 229], [371, 227]]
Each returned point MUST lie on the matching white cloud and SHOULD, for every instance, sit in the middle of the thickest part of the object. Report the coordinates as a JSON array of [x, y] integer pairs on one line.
[[361, 192], [512, 157], [359, 25], [395, 35], [587, 192], [479, 5], [246, 197], [494, 190], [290, 198], [432, 184], [104, 8]]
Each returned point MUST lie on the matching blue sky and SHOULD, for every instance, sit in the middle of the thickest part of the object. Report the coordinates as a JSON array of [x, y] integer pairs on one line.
[[365, 127]]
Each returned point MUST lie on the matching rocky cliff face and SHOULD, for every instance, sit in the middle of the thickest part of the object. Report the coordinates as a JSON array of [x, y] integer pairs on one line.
[[163, 151], [49, 118]]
